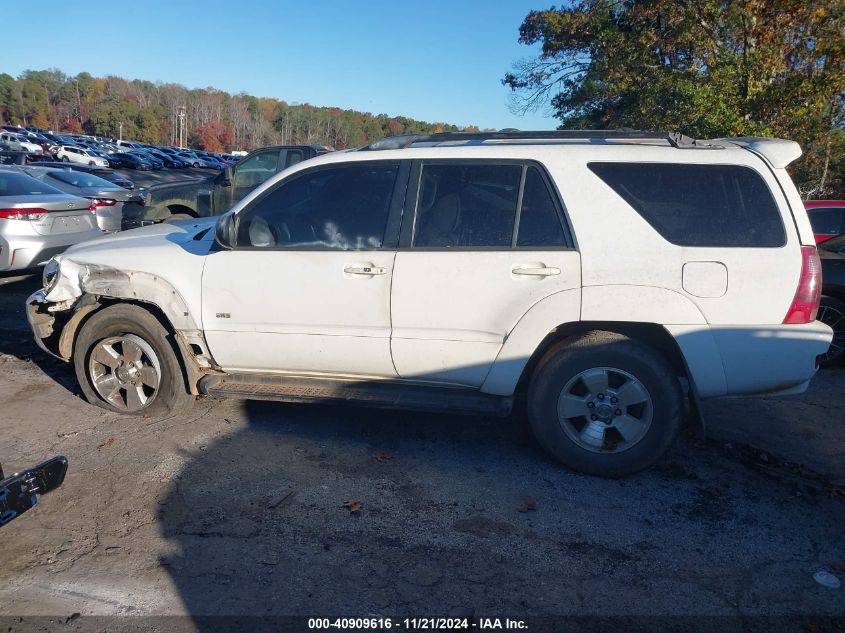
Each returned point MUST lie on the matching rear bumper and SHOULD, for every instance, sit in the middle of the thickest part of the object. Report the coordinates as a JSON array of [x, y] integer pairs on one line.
[[22, 251], [752, 360]]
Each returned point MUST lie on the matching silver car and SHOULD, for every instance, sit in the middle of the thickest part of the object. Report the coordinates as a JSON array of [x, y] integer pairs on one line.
[[38, 221], [113, 203]]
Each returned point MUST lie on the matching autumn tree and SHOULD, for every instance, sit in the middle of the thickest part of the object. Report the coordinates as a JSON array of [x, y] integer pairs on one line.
[[214, 136], [708, 68], [215, 120]]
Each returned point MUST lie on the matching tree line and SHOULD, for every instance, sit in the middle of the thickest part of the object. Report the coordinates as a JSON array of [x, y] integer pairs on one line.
[[707, 68], [215, 119]]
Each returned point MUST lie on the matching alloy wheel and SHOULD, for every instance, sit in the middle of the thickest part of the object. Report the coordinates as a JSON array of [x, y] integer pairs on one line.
[[125, 372], [605, 410]]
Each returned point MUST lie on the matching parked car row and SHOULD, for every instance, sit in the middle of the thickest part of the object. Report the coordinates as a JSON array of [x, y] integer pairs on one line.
[[38, 220], [100, 151], [46, 206]]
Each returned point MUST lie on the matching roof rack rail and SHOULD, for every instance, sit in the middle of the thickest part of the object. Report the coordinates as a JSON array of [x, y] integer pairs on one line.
[[675, 139]]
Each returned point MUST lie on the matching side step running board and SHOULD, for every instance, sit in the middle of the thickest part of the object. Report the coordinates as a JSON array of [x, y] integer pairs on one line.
[[384, 394]]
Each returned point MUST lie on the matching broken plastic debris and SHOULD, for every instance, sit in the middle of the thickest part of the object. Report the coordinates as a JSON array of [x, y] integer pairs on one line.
[[826, 579]]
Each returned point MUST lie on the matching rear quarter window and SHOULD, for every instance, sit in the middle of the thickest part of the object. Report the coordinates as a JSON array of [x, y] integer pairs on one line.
[[699, 205]]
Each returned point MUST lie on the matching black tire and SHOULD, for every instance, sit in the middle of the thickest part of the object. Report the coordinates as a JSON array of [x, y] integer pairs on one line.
[[129, 320], [566, 360], [91, 163], [65, 159], [832, 313]]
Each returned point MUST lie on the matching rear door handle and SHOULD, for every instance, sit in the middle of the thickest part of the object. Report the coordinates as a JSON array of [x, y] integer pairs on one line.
[[364, 269], [545, 271]]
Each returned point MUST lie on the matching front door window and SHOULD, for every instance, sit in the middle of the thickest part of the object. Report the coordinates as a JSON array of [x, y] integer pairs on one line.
[[342, 207]]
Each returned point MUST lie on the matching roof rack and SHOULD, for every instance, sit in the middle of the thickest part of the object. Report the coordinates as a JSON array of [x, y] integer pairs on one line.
[[675, 139]]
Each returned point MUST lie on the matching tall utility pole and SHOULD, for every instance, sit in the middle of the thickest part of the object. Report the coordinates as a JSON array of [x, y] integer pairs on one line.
[[120, 133], [183, 132]]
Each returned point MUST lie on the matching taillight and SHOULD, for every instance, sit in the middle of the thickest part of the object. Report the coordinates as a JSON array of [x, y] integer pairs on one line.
[[103, 202], [805, 305], [22, 214]]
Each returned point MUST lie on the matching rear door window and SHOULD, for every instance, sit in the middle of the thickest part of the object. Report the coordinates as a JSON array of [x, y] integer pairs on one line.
[[699, 205], [539, 222], [467, 205]]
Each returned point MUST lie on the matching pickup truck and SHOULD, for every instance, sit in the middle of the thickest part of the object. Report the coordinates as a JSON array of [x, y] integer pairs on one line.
[[219, 193]]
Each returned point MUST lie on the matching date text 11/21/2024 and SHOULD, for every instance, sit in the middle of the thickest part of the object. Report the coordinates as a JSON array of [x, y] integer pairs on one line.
[[417, 623]]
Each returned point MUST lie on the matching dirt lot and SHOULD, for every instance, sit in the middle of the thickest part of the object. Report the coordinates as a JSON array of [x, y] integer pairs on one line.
[[245, 508]]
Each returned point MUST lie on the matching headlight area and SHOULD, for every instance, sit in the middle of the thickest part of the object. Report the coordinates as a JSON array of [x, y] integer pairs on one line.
[[50, 276]]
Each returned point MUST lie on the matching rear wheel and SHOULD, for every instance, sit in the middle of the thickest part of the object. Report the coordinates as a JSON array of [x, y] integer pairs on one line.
[[832, 314], [125, 362], [605, 404], [65, 159]]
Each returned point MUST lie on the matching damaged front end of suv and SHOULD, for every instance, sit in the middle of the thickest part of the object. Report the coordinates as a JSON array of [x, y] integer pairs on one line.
[[73, 291]]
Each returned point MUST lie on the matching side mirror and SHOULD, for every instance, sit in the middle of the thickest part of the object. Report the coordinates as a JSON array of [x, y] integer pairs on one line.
[[225, 231], [20, 492]]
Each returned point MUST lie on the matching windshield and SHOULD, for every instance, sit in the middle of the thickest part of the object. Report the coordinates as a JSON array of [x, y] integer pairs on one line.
[[834, 244], [12, 184], [81, 179]]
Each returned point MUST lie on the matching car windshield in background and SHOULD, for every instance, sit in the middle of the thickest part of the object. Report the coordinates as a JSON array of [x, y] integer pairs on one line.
[[834, 244], [82, 179], [23, 185]]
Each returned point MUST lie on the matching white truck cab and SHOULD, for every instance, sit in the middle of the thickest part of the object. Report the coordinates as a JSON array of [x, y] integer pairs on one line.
[[605, 276]]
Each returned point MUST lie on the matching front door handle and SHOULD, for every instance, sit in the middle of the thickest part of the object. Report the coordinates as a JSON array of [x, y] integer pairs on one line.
[[364, 269], [542, 271]]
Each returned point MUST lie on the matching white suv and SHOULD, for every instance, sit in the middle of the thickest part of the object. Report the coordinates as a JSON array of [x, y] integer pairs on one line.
[[72, 154], [607, 277]]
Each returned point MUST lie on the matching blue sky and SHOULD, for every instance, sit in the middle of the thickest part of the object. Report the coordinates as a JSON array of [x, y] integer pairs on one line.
[[434, 60]]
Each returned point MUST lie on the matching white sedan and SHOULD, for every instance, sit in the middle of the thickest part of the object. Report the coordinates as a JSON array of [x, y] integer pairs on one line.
[[71, 154]]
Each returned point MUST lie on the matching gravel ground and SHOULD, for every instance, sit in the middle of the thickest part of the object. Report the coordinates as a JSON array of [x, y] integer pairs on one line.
[[248, 508]]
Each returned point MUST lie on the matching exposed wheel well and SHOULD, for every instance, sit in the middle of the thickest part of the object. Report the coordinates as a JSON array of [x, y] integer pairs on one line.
[[181, 208]]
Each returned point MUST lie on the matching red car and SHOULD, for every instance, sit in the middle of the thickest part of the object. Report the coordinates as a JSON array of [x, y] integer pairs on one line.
[[827, 218]]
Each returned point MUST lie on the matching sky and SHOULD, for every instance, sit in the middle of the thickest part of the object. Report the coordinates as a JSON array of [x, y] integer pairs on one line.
[[432, 60]]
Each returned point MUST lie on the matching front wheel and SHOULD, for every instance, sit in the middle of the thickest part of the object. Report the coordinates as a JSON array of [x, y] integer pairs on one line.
[[605, 404], [65, 159], [125, 362], [832, 314]]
